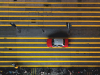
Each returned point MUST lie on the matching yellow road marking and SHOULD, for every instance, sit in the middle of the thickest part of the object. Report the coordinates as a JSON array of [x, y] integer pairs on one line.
[[49, 11], [51, 47], [49, 20], [39, 25], [49, 51], [84, 42], [50, 16], [52, 61], [50, 7], [49, 2], [22, 42], [56, 25], [90, 38], [85, 25], [46, 42], [49, 56], [52, 66]]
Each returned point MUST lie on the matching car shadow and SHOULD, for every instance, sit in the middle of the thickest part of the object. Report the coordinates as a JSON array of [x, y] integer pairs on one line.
[[59, 34]]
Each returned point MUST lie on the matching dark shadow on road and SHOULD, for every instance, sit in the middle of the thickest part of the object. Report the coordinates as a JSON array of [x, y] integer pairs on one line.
[[59, 34]]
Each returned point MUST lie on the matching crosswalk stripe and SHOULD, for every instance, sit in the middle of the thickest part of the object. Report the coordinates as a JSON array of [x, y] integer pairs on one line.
[[49, 56], [52, 61], [49, 2], [46, 42], [52, 66], [85, 25], [49, 20], [50, 16], [89, 38], [50, 7], [49, 11], [49, 51], [51, 47]]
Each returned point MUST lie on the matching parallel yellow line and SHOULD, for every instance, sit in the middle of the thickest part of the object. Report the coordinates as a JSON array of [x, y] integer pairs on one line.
[[59, 65], [85, 25], [90, 38], [46, 42], [51, 65], [55, 25], [51, 47], [52, 61], [49, 20], [50, 7], [49, 56], [50, 16], [49, 2], [39, 25], [49, 51], [49, 11], [84, 42], [23, 42]]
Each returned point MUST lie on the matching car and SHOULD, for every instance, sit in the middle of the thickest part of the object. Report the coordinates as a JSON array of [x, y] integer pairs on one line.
[[57, 42]]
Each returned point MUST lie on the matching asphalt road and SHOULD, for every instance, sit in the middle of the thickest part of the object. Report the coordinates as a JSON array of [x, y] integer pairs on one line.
[[26, 45]]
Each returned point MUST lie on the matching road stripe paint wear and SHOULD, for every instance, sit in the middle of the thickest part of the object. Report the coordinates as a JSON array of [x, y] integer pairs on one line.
[[50, 16], [85, 25], [49, 51], [49, 11], [50, 47], [49, 56], [49, 2], [46, 42], [89, 38], [51, 65], [50, 7], [49, 20], [53, 61]]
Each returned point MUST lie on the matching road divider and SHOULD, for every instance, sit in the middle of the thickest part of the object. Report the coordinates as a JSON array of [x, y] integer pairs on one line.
[[49, 7], [38, 25], [51, 66], [84, 42], [50, 47], [50, 3], [49, 56], [46, 42], [50, 16], [23, 42], [52, 25], [85, 25], [49, 51], [52, 61], [5, 11], [49, 20], [77, 38]]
